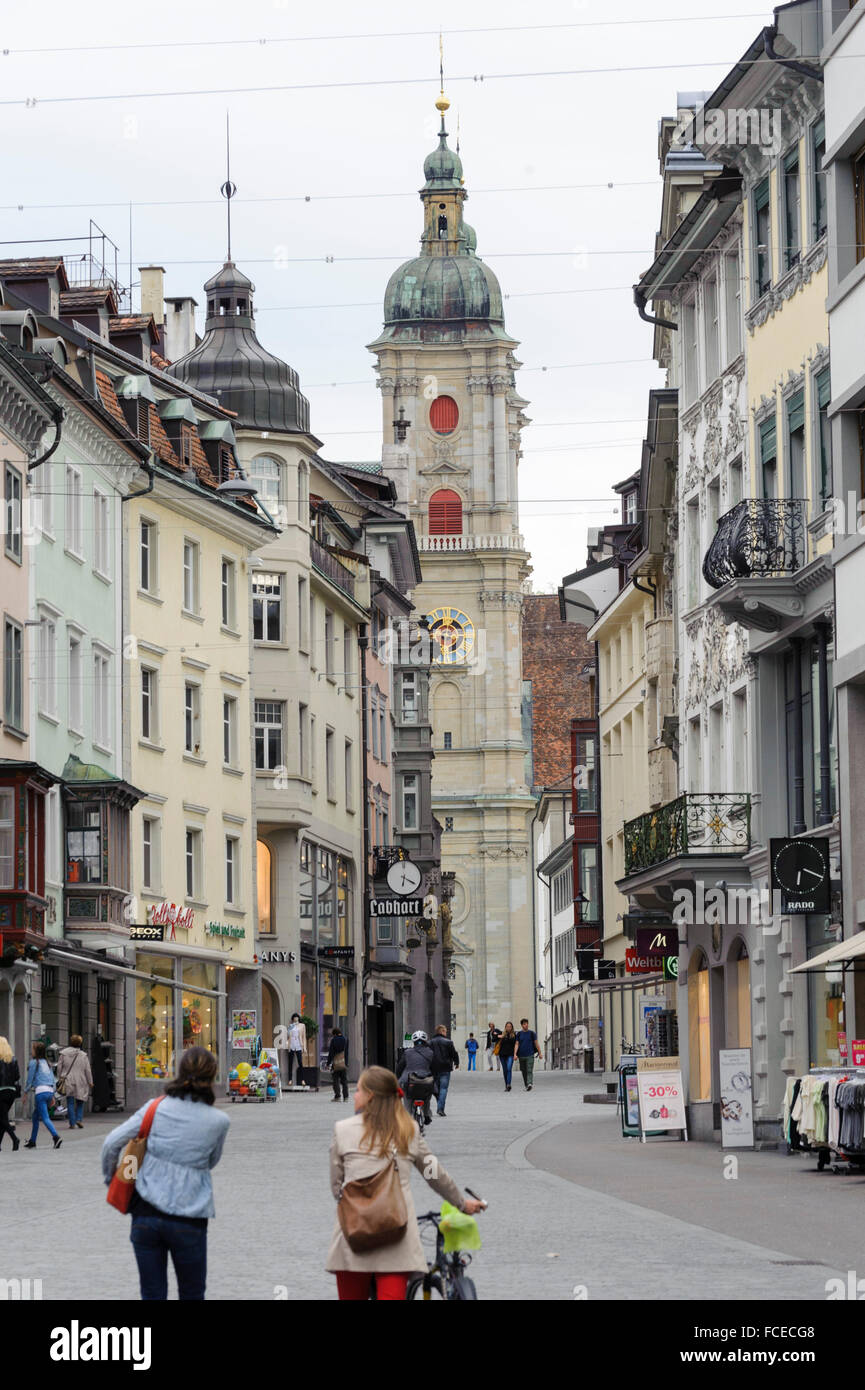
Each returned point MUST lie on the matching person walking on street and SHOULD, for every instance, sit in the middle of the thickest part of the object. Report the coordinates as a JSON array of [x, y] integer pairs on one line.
[[378, 1133], [296, 1047], [40, 1080], [416, 1077], [10, 1090], [445, 1058], [527, 1046], [73, 1067], [173, 1196], [507, 1046], [472, 1049], [337, 1060], [493, 1057]]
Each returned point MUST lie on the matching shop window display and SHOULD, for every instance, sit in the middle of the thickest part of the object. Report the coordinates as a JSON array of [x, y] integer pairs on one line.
[[199, 1011], [154, 1030]]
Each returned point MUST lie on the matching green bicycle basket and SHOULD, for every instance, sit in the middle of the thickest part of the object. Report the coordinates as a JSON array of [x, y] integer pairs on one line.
[[459, 1230]]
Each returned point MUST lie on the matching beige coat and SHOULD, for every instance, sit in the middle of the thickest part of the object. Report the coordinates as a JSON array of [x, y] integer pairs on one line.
[[348, 1162], [74, 1064]]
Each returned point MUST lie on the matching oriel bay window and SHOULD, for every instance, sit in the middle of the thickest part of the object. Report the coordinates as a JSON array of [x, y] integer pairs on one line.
[[269, 717], [97, 830], [83, 843], [267, 607], [23, 794]]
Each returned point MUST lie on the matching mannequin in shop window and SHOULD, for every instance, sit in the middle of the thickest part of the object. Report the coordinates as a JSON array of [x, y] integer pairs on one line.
[[296, 1048]]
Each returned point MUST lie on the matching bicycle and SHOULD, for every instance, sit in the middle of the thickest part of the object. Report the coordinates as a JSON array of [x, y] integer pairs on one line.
[[445, 1277], [418, 1104]]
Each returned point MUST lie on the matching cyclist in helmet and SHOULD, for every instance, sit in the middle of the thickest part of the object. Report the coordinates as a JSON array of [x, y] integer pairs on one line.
[[416, 1076]]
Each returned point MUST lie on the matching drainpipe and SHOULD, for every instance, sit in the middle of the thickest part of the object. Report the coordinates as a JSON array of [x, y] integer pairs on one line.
[[798, 745], [640, 301], [59, 416], [825, 817], [652, 590], [769, 37], [363, 644]]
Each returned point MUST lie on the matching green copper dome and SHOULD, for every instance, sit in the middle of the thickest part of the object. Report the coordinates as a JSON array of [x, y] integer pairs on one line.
[[446, 293]]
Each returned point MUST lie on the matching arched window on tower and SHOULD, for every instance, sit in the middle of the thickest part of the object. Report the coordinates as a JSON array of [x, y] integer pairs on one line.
[[443, 227], [445, 513]]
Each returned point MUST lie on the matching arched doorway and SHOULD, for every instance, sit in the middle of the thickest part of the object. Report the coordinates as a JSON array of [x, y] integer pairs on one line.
[[270, 1012], [699, 1029], [738, 995]]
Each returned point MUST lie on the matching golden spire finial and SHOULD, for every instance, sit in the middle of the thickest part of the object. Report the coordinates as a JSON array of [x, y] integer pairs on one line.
[[442, 104]]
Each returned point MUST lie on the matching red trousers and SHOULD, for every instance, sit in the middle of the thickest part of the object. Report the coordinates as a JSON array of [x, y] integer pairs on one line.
[[390, 1288]]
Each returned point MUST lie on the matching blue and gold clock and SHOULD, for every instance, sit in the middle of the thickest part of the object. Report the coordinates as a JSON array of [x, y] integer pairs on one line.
[[453, 635]]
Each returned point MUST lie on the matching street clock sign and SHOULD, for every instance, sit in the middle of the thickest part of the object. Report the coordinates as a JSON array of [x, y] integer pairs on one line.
[[800, 873], [403, 877]]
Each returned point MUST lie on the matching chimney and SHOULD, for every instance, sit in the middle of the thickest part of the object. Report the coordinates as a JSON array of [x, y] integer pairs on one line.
[[179, 327], [152, 289]]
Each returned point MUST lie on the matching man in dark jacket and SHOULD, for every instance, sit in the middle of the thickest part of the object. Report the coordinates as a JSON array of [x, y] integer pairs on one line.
[[337, 1060], [445, 1058], [418, 1062]]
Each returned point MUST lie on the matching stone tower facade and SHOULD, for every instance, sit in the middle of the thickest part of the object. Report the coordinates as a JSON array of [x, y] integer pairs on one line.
[[445, 368]]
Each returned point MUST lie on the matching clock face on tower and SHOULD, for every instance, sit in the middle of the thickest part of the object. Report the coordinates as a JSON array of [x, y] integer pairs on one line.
[[453, 635]]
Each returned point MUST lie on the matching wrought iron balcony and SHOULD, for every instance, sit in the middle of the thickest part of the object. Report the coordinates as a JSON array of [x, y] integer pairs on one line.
[[696, 823], [332, 568], [758, 538]]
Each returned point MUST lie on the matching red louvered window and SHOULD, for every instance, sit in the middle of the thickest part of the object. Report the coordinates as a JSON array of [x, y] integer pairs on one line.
[[444, 415], [445, 513]]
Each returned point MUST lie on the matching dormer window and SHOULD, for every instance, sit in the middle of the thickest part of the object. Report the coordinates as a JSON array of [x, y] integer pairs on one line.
[[225, 463]]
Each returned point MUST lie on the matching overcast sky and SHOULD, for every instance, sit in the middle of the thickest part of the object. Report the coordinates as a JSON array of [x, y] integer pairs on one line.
[[539, 154]]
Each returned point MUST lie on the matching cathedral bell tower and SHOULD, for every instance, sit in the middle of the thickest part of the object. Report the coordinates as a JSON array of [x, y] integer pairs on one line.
[[452, 419]]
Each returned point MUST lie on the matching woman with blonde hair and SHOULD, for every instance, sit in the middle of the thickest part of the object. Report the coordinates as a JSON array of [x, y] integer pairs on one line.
[[10, 1090], [363, 1145]]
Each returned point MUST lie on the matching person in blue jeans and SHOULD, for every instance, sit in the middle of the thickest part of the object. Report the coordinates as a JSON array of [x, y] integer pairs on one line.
[[173, 1197], [507, 1045], [527, 1047], [472, 1049], [40, 1080]]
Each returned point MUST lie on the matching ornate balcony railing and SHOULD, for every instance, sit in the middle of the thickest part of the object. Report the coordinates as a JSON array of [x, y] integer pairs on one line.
[[471, 542], [696, 823], [760, 537], [332, 568]]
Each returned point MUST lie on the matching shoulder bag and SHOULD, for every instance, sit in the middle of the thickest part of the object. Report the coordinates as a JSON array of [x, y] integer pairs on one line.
[[62, 1083], [122, 1185], [372, 1211], [338, 1063]]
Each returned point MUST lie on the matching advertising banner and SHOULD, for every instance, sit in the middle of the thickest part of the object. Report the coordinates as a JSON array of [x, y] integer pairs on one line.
[[243, 1027], [661, 1093], [737, 1110]]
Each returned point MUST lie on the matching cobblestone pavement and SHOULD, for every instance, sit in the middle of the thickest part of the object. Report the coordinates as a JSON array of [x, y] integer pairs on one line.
[[572, 1206]]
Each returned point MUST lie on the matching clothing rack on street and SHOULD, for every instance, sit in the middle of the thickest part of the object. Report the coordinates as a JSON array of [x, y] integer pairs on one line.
[[824, 1114]]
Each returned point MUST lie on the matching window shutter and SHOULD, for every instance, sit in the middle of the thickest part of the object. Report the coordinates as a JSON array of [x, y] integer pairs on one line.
[[761, 196], [796, 412], [443, 415], [824, 389], [768, 441], [445, 513]]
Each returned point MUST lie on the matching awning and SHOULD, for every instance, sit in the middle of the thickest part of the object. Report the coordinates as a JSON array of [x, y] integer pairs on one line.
[[843, 953]]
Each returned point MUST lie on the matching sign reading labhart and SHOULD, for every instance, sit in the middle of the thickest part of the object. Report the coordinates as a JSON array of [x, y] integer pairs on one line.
[[396, 907], [662, 1095]]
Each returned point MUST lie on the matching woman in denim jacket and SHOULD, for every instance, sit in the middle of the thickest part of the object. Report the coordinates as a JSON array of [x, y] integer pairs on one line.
[[40, 1080], [173, 1195]]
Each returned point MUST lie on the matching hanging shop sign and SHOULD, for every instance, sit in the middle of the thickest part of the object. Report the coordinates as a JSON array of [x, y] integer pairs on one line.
[[225, 929], [662, 1095], [276, 957], [403, 877], [170, 915], [637, 964], [396, 907], [800, 873], [658, 941], [336, 952], [148, 933], [737, 1110]]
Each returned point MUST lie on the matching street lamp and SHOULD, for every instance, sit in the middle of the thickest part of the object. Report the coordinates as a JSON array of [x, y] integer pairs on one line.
[[568, 974]]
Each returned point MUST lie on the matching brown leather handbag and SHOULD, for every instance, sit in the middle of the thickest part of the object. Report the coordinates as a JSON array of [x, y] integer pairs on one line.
[[372, 1211]]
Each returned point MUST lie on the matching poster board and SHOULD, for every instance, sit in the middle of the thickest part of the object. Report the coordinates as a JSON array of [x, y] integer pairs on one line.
[[661, 1096], [737, 1098], [243, 1028]]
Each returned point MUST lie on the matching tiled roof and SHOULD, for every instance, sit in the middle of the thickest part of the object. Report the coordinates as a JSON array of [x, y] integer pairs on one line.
[[81, 299], [33, 267], [160, 443], [157, 361], [109, 398]]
